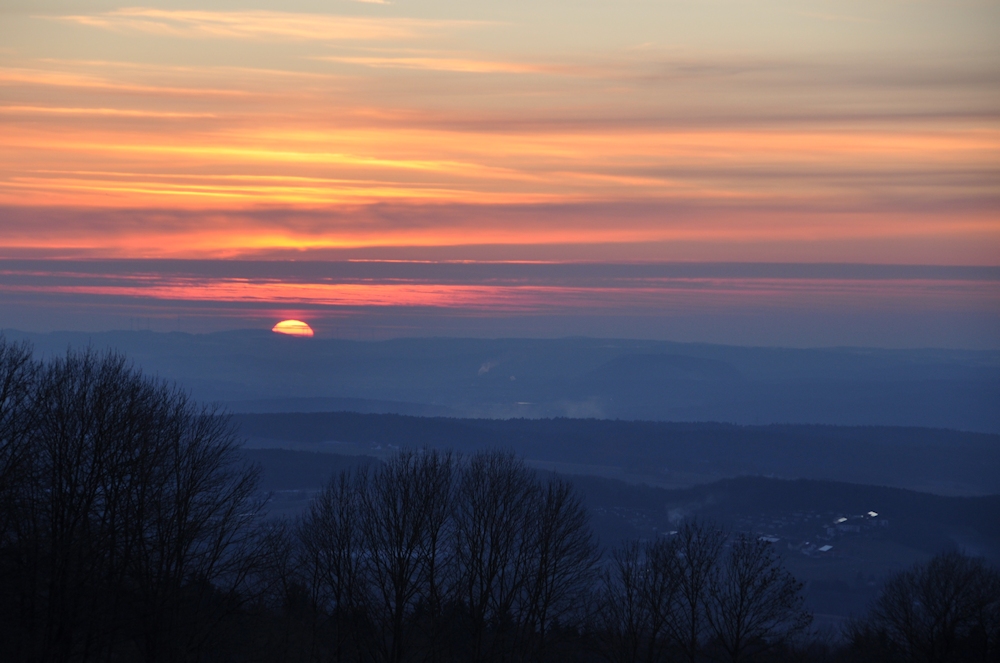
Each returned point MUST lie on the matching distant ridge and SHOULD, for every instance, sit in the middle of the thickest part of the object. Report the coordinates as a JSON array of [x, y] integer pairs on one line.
[[321, 404], [665, 453], [254, 370]]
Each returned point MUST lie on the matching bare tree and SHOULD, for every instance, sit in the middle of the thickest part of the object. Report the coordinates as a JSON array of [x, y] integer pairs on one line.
[[622, 620], [698, 549], [76, 538], [562, 559], [329, 533], [409, 541], [492, 509], [637, 598], [404, 513], [947, 609], [132, 508], [201, 534], [18, 374], [754, 604]]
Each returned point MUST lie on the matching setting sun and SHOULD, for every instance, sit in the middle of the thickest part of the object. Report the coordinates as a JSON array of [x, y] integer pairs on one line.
[[293, 328]]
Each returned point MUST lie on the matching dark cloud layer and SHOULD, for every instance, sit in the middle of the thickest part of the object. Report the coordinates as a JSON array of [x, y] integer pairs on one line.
[[738, 303]]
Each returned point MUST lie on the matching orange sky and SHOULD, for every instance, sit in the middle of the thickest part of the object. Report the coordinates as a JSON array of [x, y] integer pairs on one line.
[[549, 131], [857, 132]]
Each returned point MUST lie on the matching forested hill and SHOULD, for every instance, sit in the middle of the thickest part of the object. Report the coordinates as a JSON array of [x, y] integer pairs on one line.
[[825, 530], [664, 453], [795, 510]]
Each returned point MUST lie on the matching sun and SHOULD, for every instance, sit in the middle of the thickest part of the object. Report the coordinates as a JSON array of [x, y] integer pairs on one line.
[[293, 328]]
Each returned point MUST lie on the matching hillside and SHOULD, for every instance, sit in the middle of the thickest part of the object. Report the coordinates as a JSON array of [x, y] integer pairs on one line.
[[664, 453], [801, 517]]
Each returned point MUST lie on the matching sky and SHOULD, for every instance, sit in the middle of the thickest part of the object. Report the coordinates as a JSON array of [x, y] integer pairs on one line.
[[768, 172]]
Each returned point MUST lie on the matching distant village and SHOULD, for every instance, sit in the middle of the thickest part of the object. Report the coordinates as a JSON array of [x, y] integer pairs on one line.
[[811, 533]]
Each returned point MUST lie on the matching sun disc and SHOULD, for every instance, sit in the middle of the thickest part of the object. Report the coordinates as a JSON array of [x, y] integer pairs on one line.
[[293, 328]]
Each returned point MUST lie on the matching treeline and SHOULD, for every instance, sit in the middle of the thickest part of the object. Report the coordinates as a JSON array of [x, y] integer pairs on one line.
[[859, 454], [132, 530], [129, 527]]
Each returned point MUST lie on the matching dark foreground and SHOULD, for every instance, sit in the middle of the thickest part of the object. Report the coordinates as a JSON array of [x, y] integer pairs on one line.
[[133, 528]]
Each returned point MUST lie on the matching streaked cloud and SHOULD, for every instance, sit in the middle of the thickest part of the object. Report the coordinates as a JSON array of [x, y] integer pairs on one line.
[[454, 64], [260, 24], [69, 79], [656, 231], [803, 304], [99, 112], [864, 132], [515, 287]]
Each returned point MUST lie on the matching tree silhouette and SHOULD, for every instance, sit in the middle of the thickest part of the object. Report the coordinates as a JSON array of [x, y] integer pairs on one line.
[[698, 549], [753, 603], [18, 373], [431, 556], [562, 559], [637, 601], [689, 596], [493, 508], [945, 610], [330, 554], [128, 511], [404, 510]]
